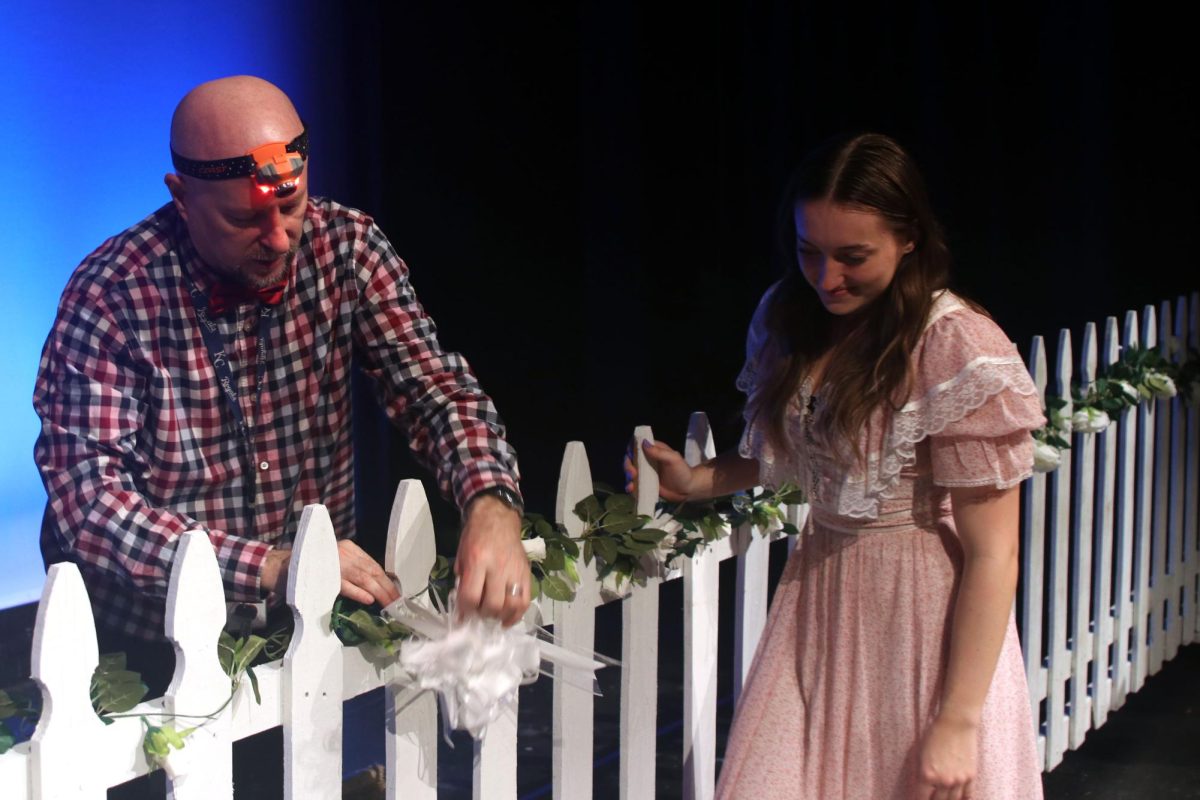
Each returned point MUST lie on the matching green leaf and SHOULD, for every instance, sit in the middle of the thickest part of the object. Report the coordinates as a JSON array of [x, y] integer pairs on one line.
[[572, 572], [587, 552], [115, 689], [7, 707], [554, 559], [619, 504], [570, 548], [535, 587], [605, 549], [253, 686], [588, 509], [651, 535], [6, 740], [556, 588], [543, 528]]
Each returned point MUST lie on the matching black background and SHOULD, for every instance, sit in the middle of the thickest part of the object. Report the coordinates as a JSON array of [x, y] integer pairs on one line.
[[585, 192]]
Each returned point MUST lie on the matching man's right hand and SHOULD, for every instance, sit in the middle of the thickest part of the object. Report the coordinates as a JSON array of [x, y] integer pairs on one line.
[[363, 580]]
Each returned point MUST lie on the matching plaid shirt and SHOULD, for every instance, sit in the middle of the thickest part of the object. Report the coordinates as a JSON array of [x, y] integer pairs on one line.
[[139, 444]]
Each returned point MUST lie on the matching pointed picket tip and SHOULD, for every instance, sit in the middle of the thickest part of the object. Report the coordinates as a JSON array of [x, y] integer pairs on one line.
[[1037, 362], [411, 548], [647, 477], [195, 596], [574, 484], [699, 446], [1112, 342], [1087, 355], [196, 614], [314, 575], [64, 625], [1062, 366], [1129, 330], [1149, 331]]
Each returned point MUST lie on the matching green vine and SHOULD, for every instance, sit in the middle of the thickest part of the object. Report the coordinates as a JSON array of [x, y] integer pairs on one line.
[[1139, 374]]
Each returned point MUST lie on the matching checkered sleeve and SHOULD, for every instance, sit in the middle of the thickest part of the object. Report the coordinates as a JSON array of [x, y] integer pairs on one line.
[[432, 395], [93, 388]]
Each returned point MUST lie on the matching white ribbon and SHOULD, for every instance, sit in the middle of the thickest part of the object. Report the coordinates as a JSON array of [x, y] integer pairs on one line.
[[475, 665]]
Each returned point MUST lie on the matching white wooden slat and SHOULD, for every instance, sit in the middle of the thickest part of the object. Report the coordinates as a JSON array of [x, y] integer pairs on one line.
[[1175, 524], [1059, 667], [701, 598], [1160, 590], [639, 656], [1033, 554], [1102, 605], [1083, 495], [495, 765], [1123, 547], [65, 655], [1191, 524], [574, 628], [411, 730], [1143, 497], [195, 616], [750, 601], [14, 773], [312, 666]]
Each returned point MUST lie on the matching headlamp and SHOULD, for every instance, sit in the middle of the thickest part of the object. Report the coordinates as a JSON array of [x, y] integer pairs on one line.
[[275, 167]]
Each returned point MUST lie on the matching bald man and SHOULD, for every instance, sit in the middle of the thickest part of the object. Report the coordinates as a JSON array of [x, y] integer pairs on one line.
[[198, 373]]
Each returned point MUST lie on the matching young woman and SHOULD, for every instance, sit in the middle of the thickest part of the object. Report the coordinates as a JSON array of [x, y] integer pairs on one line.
[[890, 666]]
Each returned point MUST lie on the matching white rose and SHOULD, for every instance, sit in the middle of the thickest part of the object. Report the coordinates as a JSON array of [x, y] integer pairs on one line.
[[535, 548], [1127, 389], [1089, 420], [1160, 384], [1046, 457]]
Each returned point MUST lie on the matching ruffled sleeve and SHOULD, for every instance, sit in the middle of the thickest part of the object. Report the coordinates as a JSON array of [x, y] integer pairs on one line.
[[976, 401], [775, 467]]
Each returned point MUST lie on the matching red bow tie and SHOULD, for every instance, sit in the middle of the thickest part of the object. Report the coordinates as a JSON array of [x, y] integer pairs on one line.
[[226, 296]]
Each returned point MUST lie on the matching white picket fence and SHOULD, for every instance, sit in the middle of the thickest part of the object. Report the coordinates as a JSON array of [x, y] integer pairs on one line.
[[1109, 539], [1125, 517]]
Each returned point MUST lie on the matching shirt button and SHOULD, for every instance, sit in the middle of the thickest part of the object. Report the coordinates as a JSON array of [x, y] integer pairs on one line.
[[264, 465]]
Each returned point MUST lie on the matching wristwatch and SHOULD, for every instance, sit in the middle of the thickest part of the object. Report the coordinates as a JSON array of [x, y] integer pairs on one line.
[[502, 493]]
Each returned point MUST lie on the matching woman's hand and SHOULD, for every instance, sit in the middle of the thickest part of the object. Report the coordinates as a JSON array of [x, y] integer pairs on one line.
[[948, 760], [676, 480]]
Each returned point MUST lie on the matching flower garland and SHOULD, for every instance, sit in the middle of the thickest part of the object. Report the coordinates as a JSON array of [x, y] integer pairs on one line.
[[1139, 374], [628, 549]]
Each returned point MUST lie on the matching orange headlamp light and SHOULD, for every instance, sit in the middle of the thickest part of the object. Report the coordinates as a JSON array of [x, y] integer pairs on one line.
[[275, 167]]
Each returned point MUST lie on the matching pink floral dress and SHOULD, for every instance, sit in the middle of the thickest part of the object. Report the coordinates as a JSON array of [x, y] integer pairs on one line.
[[848, 674]]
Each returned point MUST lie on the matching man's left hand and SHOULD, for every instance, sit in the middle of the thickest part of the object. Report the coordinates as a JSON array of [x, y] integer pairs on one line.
[[492, 568]]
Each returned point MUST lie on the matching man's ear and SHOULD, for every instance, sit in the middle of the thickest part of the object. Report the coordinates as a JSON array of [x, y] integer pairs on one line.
[[178, 190]]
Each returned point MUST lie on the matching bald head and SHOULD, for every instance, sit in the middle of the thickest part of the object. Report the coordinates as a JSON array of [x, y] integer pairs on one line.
[[231, 116]]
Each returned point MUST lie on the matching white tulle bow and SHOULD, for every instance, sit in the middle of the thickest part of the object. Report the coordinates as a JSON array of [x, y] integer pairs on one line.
[[475, 665]]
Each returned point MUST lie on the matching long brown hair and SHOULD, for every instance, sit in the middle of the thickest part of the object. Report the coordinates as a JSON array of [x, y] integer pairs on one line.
[[866, 172]]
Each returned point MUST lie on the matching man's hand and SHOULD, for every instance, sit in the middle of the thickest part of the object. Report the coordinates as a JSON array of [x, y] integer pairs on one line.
[[492, 568], [363, 580]]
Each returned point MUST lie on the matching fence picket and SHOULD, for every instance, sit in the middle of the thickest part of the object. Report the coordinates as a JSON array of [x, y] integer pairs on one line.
[[1033, 556], [195, 617], [701, 598], [1143, 619], [411, 729], [69, 730], [1059, 537], [1083, 497], [1127, 437], [1160, 544], [1102, 605], [1191, 524], [574, 628], [312, 666], [495, 764], [1173, 349], [639, 656]]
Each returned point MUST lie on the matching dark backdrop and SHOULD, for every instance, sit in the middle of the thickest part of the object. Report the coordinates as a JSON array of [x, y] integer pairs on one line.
[[585, 192]]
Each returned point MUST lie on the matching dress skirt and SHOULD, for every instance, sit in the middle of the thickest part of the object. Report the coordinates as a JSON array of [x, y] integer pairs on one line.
[[848, 675]]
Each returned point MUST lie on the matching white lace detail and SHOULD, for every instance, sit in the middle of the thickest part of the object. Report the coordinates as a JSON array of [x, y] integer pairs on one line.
[[861, 489]]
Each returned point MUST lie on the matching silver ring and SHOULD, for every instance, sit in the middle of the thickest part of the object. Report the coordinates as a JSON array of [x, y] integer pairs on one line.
[[514, 590]]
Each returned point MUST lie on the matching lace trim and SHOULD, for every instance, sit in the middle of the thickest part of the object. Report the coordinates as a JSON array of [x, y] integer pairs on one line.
[[944, 404]]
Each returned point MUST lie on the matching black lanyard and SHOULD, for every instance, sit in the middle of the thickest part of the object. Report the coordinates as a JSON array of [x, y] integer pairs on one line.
[[225, 379]]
